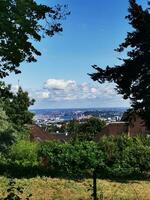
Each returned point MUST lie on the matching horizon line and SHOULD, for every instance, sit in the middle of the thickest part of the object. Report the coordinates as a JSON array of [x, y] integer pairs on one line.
[[78, 108]]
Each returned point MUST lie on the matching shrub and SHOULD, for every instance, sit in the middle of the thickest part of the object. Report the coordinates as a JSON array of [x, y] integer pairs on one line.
[[73, 160], [138, 158], [24, 153], [125, 156], [112, 157]]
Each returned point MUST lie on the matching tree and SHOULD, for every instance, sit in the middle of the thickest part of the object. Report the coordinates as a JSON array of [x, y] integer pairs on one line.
[[16, 106], [7, 134], [77, 161], [73, 129], [23, 21], [5, 91], [91, 127], [85, 130], [4, 124], [17, 109], [132, 77]]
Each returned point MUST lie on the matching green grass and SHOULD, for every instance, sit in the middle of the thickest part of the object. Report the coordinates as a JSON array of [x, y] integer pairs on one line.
[[60, 189]]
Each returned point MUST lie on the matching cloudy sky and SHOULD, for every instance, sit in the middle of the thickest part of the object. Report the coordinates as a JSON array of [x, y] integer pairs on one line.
[[91, 33]]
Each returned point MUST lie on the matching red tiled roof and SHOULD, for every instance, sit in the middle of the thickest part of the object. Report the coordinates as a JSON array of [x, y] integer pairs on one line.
[[39, 134]]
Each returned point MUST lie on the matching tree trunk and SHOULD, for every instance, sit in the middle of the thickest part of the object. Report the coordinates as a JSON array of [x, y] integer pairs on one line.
[[94, 186]]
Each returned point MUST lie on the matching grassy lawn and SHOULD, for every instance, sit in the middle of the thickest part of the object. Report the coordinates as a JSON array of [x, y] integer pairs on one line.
[[60, 189]]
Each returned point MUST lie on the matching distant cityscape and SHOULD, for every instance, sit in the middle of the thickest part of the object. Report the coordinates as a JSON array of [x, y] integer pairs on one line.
[[54, 116]]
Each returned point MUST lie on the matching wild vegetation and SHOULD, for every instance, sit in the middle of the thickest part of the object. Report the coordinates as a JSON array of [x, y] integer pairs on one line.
[[119, 157], [112, 157], [53, 188]]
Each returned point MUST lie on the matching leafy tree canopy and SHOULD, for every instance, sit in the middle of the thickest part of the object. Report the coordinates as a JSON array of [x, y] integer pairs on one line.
[[23, 21], [7, 134], [4, 124], [16, 106], [85, 130], [132, 77]]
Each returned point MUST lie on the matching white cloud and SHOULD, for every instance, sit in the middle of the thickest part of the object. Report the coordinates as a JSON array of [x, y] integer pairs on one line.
[[68, 90], [45, 95], [39, 94], [68, 93], [59, 84], [93, 90]]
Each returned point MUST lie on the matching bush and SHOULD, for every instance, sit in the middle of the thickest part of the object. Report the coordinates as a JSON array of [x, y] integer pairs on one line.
[[74, 160], [126, 156], [112, 157], [24, 153], [138, 158]]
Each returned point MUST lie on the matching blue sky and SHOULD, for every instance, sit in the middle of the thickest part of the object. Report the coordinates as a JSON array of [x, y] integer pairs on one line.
[[91, 33]]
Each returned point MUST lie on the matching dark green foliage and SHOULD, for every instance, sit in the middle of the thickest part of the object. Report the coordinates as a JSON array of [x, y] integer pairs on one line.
[[14, 115], [21, 21], [76, 160], [17, 109], [136, 158], [5, 91], [72, 128], [7, 138], [85, 130], [91, 127], [56, 129], [132, 77], [7, 133], [124, 156], [16, 106], [113, 157]]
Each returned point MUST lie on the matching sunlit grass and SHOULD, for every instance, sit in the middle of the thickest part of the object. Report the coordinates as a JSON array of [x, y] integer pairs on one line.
[[61, 189]]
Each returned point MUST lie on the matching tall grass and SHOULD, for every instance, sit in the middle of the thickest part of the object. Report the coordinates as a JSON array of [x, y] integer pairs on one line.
[[61, 189]]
